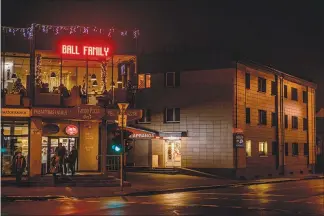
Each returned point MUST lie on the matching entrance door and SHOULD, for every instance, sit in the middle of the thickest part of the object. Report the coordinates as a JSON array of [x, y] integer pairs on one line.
[[172, 153]]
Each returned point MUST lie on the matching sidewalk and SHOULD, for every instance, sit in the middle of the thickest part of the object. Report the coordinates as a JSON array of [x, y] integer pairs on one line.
[[142, 184]]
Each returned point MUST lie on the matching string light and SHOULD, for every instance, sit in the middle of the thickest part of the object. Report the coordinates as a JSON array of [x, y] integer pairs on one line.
[[38, 70], [74, 29], [103, 76]]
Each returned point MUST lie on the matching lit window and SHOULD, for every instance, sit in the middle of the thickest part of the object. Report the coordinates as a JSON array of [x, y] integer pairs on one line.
[[263, 148], [144, 81], [248, 148]]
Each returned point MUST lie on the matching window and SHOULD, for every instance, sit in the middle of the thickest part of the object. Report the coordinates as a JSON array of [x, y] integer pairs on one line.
[[273, 88], [294, 122], [305, 124], [172, 79], [285, 91], [306, 150], [286, 149], [305, 97], [286, 121], [146, 118], [295, 149], [275, 148], [247, 80], [172, 115], [144, 81], [294, 94], [263, 148], [262, 84], [248, 148], [262, 117], [247, 116], [273, 119]]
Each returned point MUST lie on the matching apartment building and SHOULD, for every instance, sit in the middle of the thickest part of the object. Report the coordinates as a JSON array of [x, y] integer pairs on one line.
[[241, 119]]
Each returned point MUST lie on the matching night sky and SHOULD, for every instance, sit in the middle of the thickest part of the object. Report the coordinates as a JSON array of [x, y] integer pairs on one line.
[[286, 34]]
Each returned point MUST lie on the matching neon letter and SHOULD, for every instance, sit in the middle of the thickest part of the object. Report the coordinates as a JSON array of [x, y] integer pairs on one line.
[[106, 49]]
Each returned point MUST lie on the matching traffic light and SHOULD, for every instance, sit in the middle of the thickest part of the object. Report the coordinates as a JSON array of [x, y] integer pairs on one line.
[[116, 148]]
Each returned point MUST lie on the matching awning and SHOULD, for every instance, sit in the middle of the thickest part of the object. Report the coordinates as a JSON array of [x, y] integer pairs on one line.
[[141, 133], [175, 134]]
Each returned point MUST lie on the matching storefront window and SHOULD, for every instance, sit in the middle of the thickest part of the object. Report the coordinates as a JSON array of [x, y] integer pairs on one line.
[[15, 138]]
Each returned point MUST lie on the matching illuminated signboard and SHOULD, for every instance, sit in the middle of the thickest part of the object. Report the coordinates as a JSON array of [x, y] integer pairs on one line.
[[71, 130], [12, 112], [86, 49]]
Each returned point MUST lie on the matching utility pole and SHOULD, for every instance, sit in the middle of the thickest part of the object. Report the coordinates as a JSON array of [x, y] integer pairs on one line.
[[122, 121]]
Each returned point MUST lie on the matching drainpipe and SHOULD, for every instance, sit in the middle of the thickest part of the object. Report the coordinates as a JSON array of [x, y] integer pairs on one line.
[[282, 123], [236, 122], [277, 121], [307, 132]]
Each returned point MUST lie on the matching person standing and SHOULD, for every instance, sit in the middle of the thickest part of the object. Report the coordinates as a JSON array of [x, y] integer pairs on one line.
[[55, 164], [61, 152], [72, 159], [19, 166]]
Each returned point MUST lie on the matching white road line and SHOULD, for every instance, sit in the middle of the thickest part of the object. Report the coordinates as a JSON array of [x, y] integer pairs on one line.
[[175, 212]]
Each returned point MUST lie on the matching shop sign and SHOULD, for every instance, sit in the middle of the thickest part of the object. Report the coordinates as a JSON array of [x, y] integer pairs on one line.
[[12, 112], [239, 140], [139, 133], [51, 129], [71, 130], [89, 112], [51, 112], [132, 114]]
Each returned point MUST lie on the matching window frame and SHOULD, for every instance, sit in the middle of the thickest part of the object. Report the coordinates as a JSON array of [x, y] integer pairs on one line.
[[166, 79], [285, 91], [306, 146], [273, 119], [174, 115], [294, 122], [305, 97], [264, 152], [145, 81], [262, 84], [147, 118], [294, 149], [286, 149], [286, 121], [305, 124], [247, 80], [247, 117], [273, 88], [293, 96], [260, 117], [248, 148]]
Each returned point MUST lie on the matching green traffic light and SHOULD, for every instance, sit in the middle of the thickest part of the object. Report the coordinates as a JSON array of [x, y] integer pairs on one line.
[[116, 148]]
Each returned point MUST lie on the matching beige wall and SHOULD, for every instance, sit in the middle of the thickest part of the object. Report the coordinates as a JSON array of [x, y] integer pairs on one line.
[[205, 102], [89, 143]]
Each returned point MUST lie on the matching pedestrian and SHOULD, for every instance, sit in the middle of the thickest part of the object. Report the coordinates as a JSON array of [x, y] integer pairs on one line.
[[55, 166], [61, 152], [18, 166], [72, 159]]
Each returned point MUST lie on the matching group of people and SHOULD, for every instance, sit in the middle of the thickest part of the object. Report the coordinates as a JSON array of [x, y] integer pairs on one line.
[[61, 161]]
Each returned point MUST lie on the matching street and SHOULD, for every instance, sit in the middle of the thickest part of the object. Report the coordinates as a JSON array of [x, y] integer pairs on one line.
[[290, 198]]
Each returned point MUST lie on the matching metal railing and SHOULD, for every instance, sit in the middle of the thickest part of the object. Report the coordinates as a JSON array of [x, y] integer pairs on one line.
[[112, 162]]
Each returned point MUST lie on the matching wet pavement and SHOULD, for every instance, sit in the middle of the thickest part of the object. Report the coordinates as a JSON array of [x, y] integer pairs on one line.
[[290, 198]]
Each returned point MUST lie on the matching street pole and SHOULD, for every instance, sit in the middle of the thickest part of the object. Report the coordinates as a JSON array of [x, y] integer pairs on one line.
[[122, 153]]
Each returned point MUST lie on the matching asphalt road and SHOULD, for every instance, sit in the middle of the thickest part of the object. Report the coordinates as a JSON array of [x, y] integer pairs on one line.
[[291, 198]]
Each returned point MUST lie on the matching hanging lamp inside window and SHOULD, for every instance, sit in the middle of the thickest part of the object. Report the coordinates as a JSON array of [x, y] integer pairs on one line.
[[53, 75], [95, 83], [93, 77]]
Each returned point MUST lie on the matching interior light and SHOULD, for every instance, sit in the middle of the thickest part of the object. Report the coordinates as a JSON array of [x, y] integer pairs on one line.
[[95, 83], [53, 75], [93, 77]]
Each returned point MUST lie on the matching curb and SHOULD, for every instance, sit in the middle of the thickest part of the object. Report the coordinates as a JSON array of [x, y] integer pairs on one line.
[[153, 192]]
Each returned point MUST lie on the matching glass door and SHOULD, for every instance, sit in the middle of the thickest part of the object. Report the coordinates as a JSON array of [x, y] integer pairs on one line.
[[172, 153], [52, 145]]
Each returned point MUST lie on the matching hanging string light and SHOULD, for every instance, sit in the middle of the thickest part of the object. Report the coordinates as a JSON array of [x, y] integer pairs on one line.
[[74, 29], [38, 70], [103, 76]]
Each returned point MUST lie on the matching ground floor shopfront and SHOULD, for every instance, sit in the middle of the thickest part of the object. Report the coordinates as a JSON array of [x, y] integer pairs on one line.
[[154, 149], [37, 132]]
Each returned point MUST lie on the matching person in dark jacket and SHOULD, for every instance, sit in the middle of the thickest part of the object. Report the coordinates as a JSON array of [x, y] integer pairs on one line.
[[55, 164], [72, 159], [19, 165], [61, 152]]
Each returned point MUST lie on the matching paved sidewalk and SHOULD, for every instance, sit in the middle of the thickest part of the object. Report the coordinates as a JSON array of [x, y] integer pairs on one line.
[[142, 183]]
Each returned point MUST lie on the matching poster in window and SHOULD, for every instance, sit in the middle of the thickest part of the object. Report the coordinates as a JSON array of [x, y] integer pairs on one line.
[[238, 140]]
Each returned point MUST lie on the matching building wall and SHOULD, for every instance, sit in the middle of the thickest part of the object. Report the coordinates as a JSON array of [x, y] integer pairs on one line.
[[257, 165], [205, 102]]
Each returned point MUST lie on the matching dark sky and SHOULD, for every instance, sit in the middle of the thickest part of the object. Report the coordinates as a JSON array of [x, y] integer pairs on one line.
[[287, 34]]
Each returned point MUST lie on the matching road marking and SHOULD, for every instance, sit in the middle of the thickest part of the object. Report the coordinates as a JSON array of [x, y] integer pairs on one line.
[[214, 206], [92, 201], [176, 212]]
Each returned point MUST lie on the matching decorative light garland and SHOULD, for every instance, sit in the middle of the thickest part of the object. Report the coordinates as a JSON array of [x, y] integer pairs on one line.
[[28, 32], [103, 76], [38, 70]]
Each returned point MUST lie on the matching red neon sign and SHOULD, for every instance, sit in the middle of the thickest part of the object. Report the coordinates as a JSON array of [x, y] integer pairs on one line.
[[83, 50], [71, 130]]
